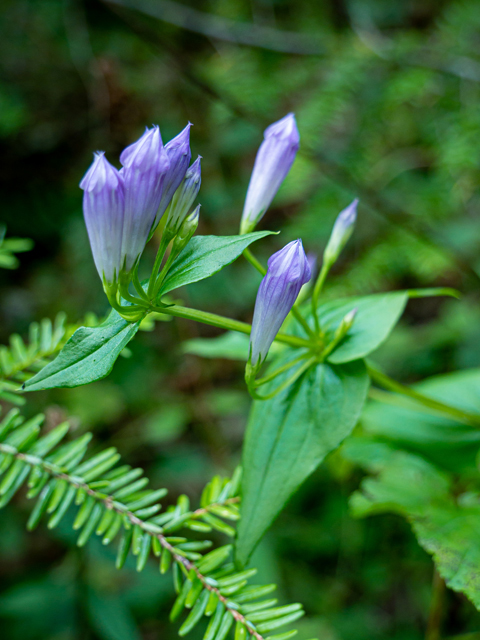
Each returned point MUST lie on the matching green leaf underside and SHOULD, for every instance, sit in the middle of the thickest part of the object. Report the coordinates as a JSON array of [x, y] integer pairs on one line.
[[446, 526], [289, 436], [88, 355], [376, 317], [205, 256], [441, 439]]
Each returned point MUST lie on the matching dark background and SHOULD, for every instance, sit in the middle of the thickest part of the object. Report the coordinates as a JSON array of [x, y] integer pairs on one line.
[[386, 95]]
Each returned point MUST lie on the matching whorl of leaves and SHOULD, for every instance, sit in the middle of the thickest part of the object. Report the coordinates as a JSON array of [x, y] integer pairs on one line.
[[113, 502]]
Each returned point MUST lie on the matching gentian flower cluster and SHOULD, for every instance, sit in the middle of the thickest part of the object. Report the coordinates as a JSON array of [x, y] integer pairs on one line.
[[123, 208]]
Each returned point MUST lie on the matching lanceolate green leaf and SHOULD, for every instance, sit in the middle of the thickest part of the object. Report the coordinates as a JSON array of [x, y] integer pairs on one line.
[[289, 436], [376, 316], [88, 355], [204, 256], [446, 525]]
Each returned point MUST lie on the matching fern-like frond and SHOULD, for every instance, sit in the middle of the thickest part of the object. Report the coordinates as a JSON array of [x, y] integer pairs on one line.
[[114, 502], [21, 359]]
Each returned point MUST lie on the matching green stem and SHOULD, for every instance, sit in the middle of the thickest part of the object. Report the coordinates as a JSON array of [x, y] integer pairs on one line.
[[227, 323], [138, 285], [286, 384], [437, 608], [280, 370], [131, 313], [162, 275], [158, 262], [316, 293], [301, 320], [392, 385], [295, 312], [248, 255], [129, 298]]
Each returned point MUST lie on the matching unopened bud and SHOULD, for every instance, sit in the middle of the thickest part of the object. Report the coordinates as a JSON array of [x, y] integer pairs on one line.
[[346, 323], [186, 231], [184, 198], [341, 232], [274, 159], [145, 164], [178, 152], [288, 270]]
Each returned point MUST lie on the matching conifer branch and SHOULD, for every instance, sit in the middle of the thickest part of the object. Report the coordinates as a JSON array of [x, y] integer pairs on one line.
[[112, 500]]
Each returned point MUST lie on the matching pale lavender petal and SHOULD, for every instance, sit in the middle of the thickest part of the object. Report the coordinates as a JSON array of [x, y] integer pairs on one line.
[[103, 210], [145, 164], [179, 154]]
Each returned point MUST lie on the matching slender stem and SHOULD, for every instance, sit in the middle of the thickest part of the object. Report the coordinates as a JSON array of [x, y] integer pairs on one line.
[[131, 313], [280, 370], [124, 292], [440, 407], [157, 264], [138, 285], [227, 323], [162, 275], [437, 608], [286, 384], [316, 293], [248, 255], [298, 316], [113, 505], [295, 312]]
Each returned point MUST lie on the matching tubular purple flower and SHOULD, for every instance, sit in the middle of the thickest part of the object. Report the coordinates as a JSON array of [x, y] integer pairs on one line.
[[184, 198], [341, 232], [179, 154], [288, 270], [145, 164], [103, 209], [274, 159]]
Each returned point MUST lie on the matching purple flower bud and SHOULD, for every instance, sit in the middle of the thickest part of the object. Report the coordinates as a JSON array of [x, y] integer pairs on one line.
[[288, 271], [145, 164], [184, 197], [179, 154], [341, 232], [103, 209], [274, 159]]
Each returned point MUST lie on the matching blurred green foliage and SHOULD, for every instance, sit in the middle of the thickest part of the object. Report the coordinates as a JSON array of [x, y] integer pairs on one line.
[[387, 108]]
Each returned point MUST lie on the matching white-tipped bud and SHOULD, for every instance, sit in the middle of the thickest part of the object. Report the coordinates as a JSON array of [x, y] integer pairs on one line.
[[341, 232]]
